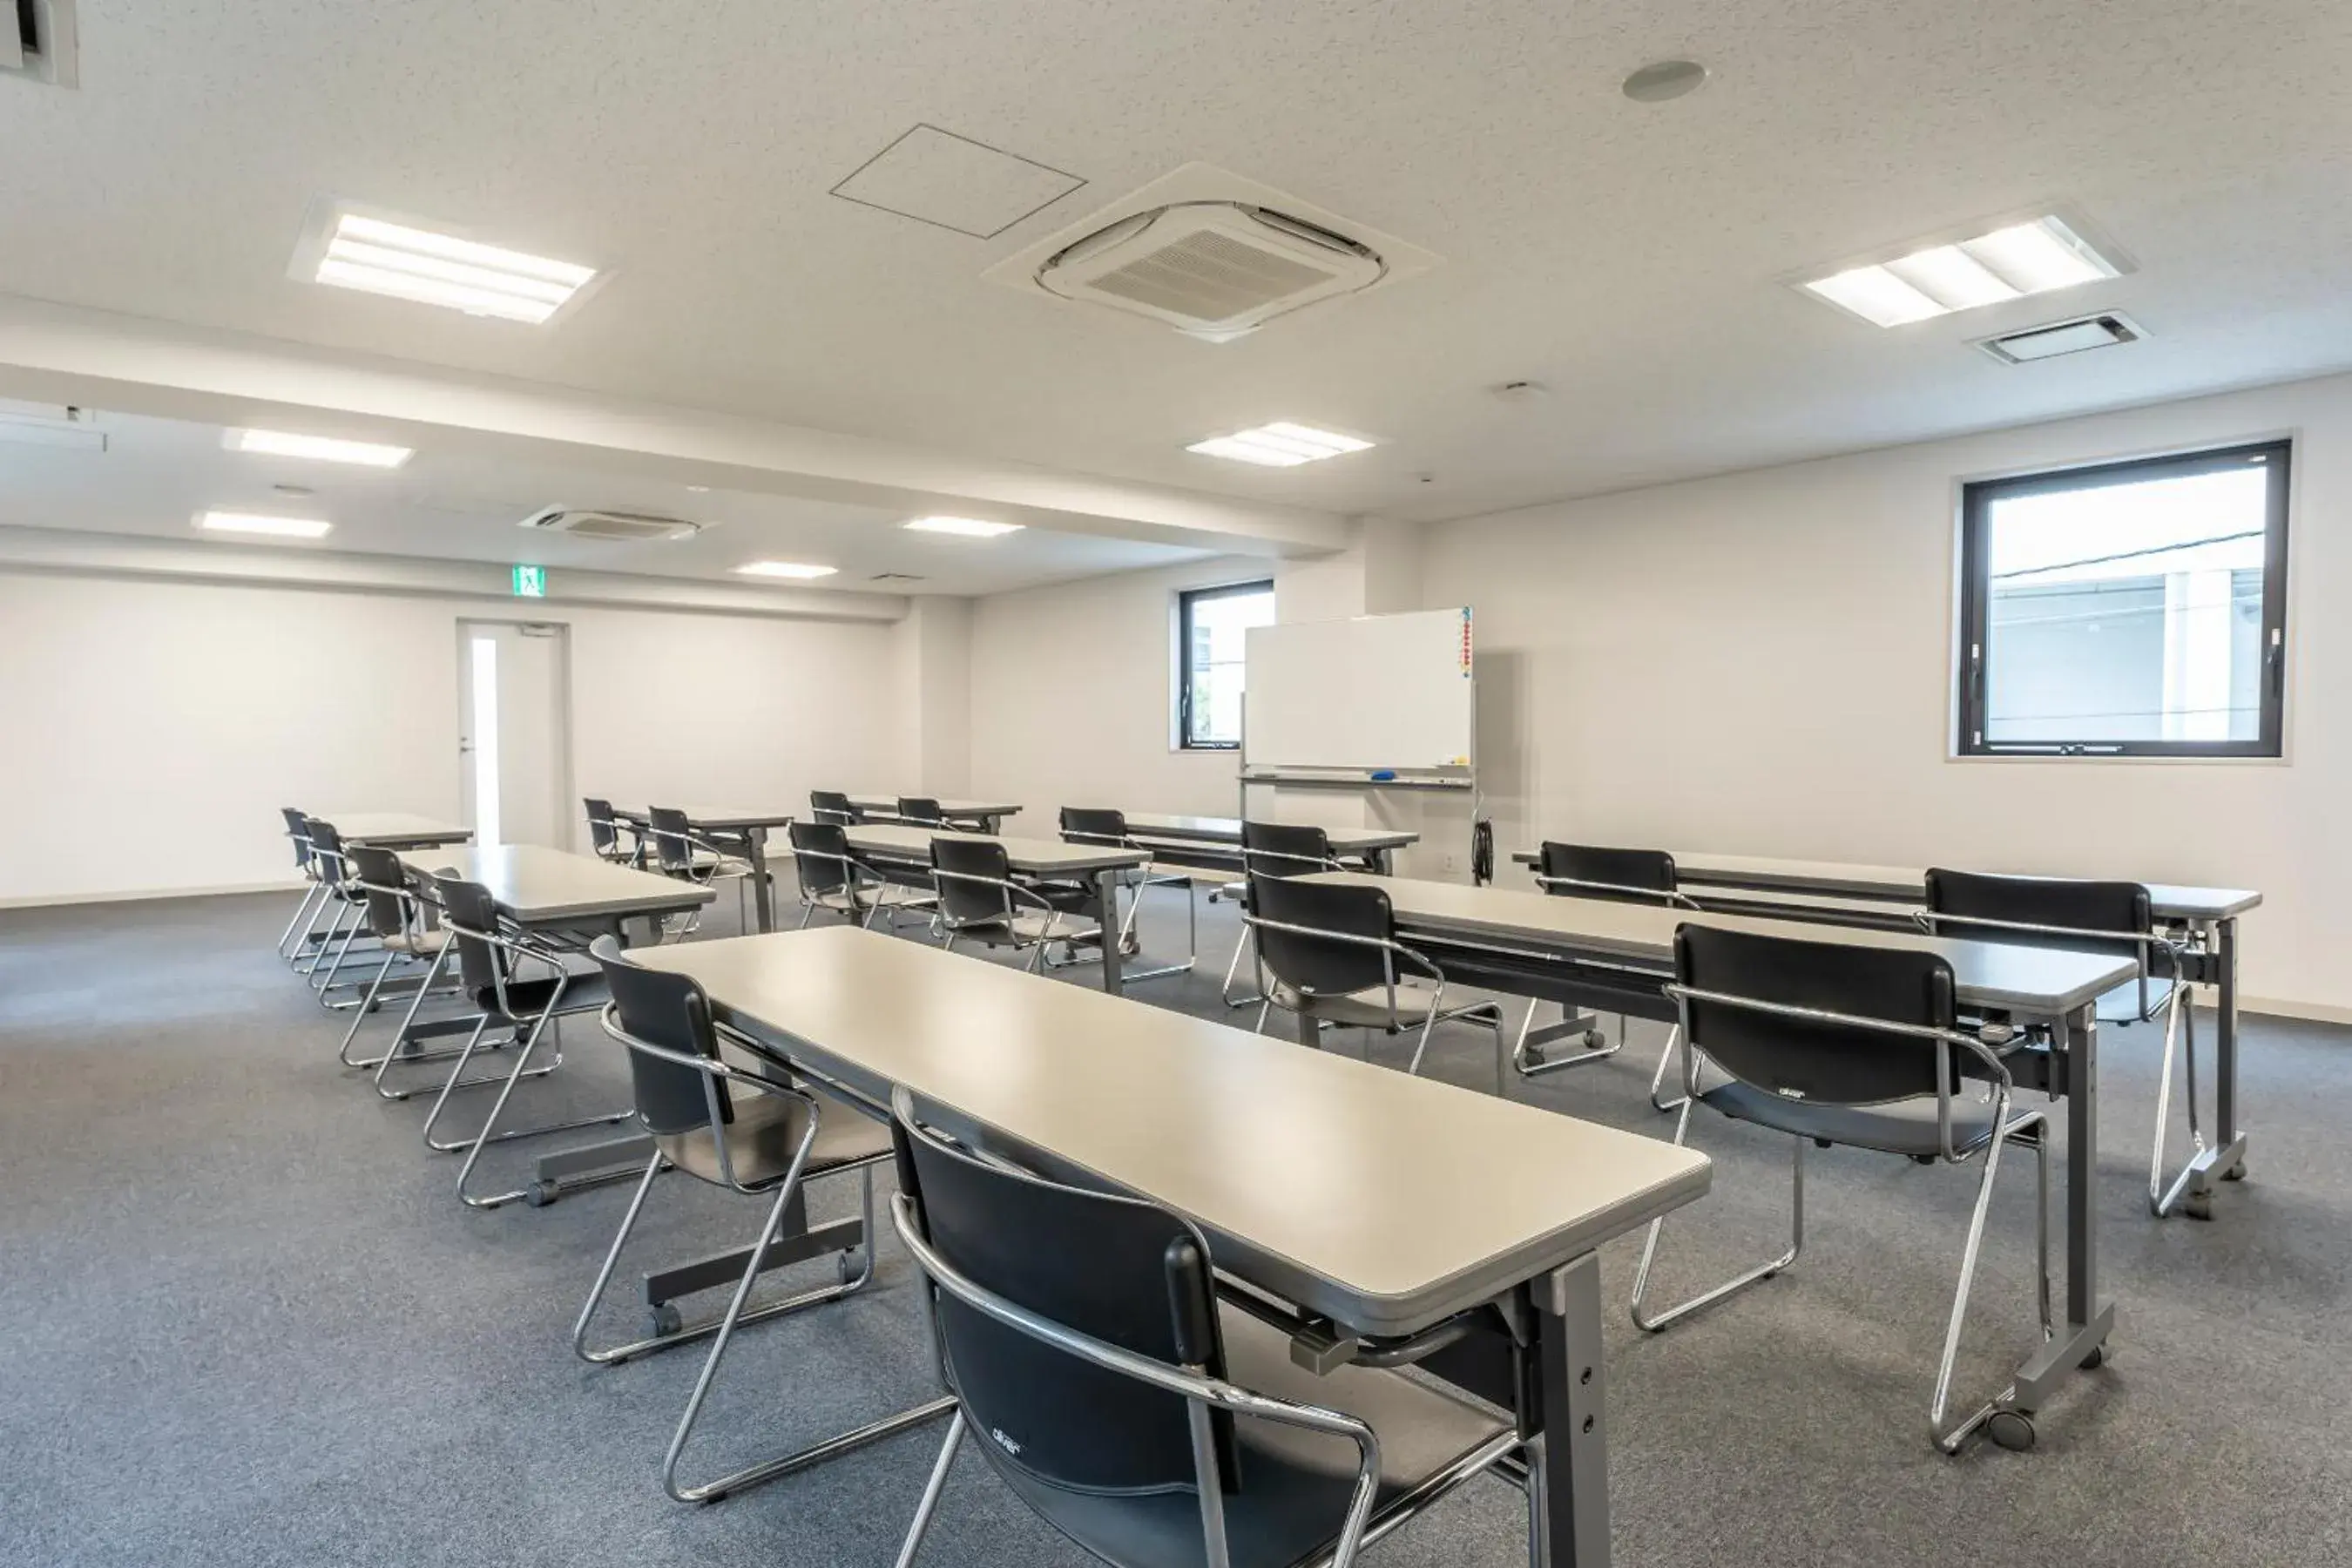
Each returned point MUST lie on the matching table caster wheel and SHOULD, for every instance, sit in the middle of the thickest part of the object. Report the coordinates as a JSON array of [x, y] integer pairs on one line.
[[1594, 1039], [2236, 1173], [662, 1319], [2010, 1430], [1533, 1056], [2196, 1206], [2097, 1359], [542, 1193], [848, 1265]]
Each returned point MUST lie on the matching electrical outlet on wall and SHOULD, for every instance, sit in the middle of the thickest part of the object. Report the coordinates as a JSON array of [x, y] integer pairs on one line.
[[1452, 864]]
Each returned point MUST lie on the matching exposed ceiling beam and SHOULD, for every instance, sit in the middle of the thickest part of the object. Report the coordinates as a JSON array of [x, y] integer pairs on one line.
[[57, 353]]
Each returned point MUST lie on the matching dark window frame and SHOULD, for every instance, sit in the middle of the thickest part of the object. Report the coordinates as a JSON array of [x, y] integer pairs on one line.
[[1185, 600], [1977, 501]]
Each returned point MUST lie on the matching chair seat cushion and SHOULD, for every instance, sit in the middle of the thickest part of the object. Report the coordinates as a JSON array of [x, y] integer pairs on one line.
[[1904, 1127], [898, 896], [1295, 1484], [766, 1127], [419, 944], [1368, 1009], [526, 999]]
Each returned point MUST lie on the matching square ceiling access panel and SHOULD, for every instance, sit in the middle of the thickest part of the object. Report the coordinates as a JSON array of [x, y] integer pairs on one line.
[[938, 177]]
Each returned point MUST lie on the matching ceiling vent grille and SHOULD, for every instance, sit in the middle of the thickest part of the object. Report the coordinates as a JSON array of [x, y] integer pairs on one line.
[[1215, 269], [897, 577], [611, 526], [2105, 331], [38, 40]]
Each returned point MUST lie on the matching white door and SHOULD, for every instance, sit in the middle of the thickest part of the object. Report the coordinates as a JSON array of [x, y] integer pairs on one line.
[[514, 713]]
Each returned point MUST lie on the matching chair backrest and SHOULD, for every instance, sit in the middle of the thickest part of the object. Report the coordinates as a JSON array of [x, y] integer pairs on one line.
[[297, 833], [922, 809], [1093, 824], [821, 857], [963, 903], [1316, 957], [832, 805], [2119, 907], [600, 824], [1113, 1268], [673, 837], [1809, 1059], [471, 916], [673, 1012], [1283, 849], [327, 845], [1622, 875], [379, 871]]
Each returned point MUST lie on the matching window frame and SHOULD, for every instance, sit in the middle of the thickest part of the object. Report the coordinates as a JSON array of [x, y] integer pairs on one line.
[[1185, 599], [1973, 668]]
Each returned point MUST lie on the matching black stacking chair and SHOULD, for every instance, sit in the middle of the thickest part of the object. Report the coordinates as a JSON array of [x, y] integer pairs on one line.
[[395, 918], [1274, 849], [345, 925], [1330, 953], [2093, 916], [920, 811], [490, 961], [979, 900], [735, 1123], [1617, 875], [1090, 824], [605, 832], [1840, 1043], [833, 878], [1130, 1408], [314, 888], [681, 852], [832, 807]]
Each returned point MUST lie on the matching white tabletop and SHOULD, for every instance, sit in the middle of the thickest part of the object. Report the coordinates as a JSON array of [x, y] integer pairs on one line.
[[534, 886], [2040, 981], [1031, 856], [723, 816], [1228, 830], [946, 807], [395, 829], [1384, 1201], [1904, 884]]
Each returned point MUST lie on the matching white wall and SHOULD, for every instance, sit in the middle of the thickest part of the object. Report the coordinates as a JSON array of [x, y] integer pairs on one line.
[[1761, 663], [154, 728], [1071, 690]]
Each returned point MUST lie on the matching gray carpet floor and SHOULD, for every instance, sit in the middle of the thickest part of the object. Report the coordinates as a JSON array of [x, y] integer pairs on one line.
[[247, 1323]]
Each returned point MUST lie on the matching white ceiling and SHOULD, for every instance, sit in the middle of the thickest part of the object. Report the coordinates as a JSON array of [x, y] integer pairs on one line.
[[157, 474], [1634, 257]]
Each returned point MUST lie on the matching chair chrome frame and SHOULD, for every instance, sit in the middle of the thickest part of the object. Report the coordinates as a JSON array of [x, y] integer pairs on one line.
[[2032, 1125], [615, 826], [720, 1330], [519, 945], [1672, 898], [853, 871], [342, 886], [978, 926], [1203, 1394], [412, 927], [1489, 1013], [2179, 1015], [723, 862], [1243, 943], [305, 913]]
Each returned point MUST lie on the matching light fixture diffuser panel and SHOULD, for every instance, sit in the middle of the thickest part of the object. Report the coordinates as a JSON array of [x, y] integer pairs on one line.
[[350, 246]]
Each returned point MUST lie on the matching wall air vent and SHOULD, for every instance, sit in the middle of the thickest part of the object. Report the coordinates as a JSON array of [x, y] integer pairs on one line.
[[897, 577], [1210, 254], [38, 40], [2105, 331], [57, 425], [610, 527]]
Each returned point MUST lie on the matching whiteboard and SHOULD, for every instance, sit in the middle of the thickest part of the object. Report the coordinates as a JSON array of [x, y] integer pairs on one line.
[[1376, 691]]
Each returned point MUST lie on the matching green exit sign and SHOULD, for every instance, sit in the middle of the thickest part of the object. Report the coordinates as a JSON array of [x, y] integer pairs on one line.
[[531, 581]]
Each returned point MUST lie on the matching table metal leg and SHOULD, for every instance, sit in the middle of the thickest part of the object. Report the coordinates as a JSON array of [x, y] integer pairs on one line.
[[2082, 1338], [1114, 967], [2229, 1156], [1568, 1468], [755, 850]]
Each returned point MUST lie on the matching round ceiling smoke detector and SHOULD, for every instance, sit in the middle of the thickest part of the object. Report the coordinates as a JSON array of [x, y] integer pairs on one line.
[[1662, 80]]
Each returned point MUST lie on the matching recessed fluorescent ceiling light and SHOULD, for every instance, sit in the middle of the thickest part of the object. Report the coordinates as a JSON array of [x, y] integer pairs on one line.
[[970, 527], [381, 257], [252, 523], [2023, 259], [785, 569], [324, 449], [1281, 445]]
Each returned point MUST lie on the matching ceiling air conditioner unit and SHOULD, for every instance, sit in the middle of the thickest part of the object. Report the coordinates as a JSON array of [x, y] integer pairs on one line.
[[1212, 269], [613, 527]]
